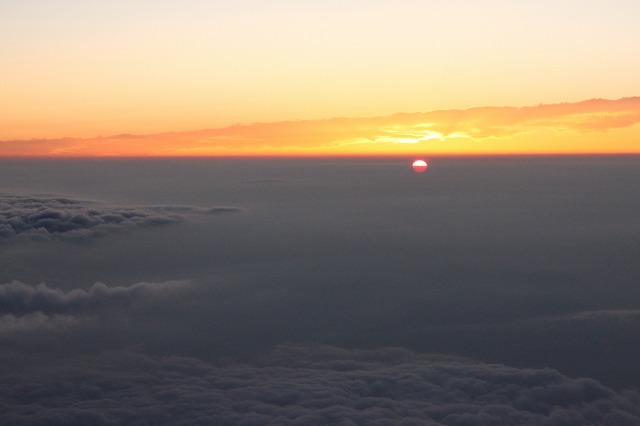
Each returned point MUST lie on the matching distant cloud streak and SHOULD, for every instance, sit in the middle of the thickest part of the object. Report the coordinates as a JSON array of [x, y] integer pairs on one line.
[[19, 299], [10, 323], [439, 131]]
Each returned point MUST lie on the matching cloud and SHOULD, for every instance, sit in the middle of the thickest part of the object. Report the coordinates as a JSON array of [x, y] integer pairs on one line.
[[304, 385], [45, 218], [598, 344], [442, 130], [10, 323], [19, 299], [595, 318], [25, 307], [607, 316]]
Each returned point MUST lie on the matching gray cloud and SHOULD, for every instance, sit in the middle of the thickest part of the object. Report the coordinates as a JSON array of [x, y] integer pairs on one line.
[[599, 344], [44, 218], [306, 385], [608, 316], [10, 323], [26, 308], [19, 299]]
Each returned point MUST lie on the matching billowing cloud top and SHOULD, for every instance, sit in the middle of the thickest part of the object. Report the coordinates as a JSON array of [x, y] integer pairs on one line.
[[542, 128], [308, 385], [292, 385], [44, 218]]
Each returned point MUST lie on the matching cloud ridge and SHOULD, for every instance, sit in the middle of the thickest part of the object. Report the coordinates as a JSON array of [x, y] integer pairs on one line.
[[44, 218], [25, 308]]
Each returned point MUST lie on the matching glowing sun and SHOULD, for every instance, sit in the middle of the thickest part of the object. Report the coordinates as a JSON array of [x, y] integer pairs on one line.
[[419, 166]]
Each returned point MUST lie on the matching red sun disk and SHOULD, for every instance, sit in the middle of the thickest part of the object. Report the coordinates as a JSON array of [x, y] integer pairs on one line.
[[419, 166]]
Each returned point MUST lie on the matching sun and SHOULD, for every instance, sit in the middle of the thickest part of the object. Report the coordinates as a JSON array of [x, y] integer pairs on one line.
[[419, 166]]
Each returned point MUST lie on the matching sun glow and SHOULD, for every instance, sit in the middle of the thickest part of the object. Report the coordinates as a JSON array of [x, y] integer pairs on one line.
[[595, 126]]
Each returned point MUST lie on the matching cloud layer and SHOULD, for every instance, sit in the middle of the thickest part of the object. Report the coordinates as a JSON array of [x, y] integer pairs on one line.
[[306, 385], [524, 262], [442, 131], [293, 384], [45, 218]]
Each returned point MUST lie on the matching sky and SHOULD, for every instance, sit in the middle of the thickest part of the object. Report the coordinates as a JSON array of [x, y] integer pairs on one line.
[[83, 70], [208, 213]]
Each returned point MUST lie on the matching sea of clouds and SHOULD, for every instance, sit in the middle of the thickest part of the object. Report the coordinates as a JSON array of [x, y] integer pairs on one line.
[[305, 385]]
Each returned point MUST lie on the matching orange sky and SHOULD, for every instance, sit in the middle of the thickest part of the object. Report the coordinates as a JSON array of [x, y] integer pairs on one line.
[[593, 126], [410, 76]]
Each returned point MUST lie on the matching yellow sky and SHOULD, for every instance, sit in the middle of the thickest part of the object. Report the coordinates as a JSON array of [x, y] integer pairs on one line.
[[73, 73], [593, 126]]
